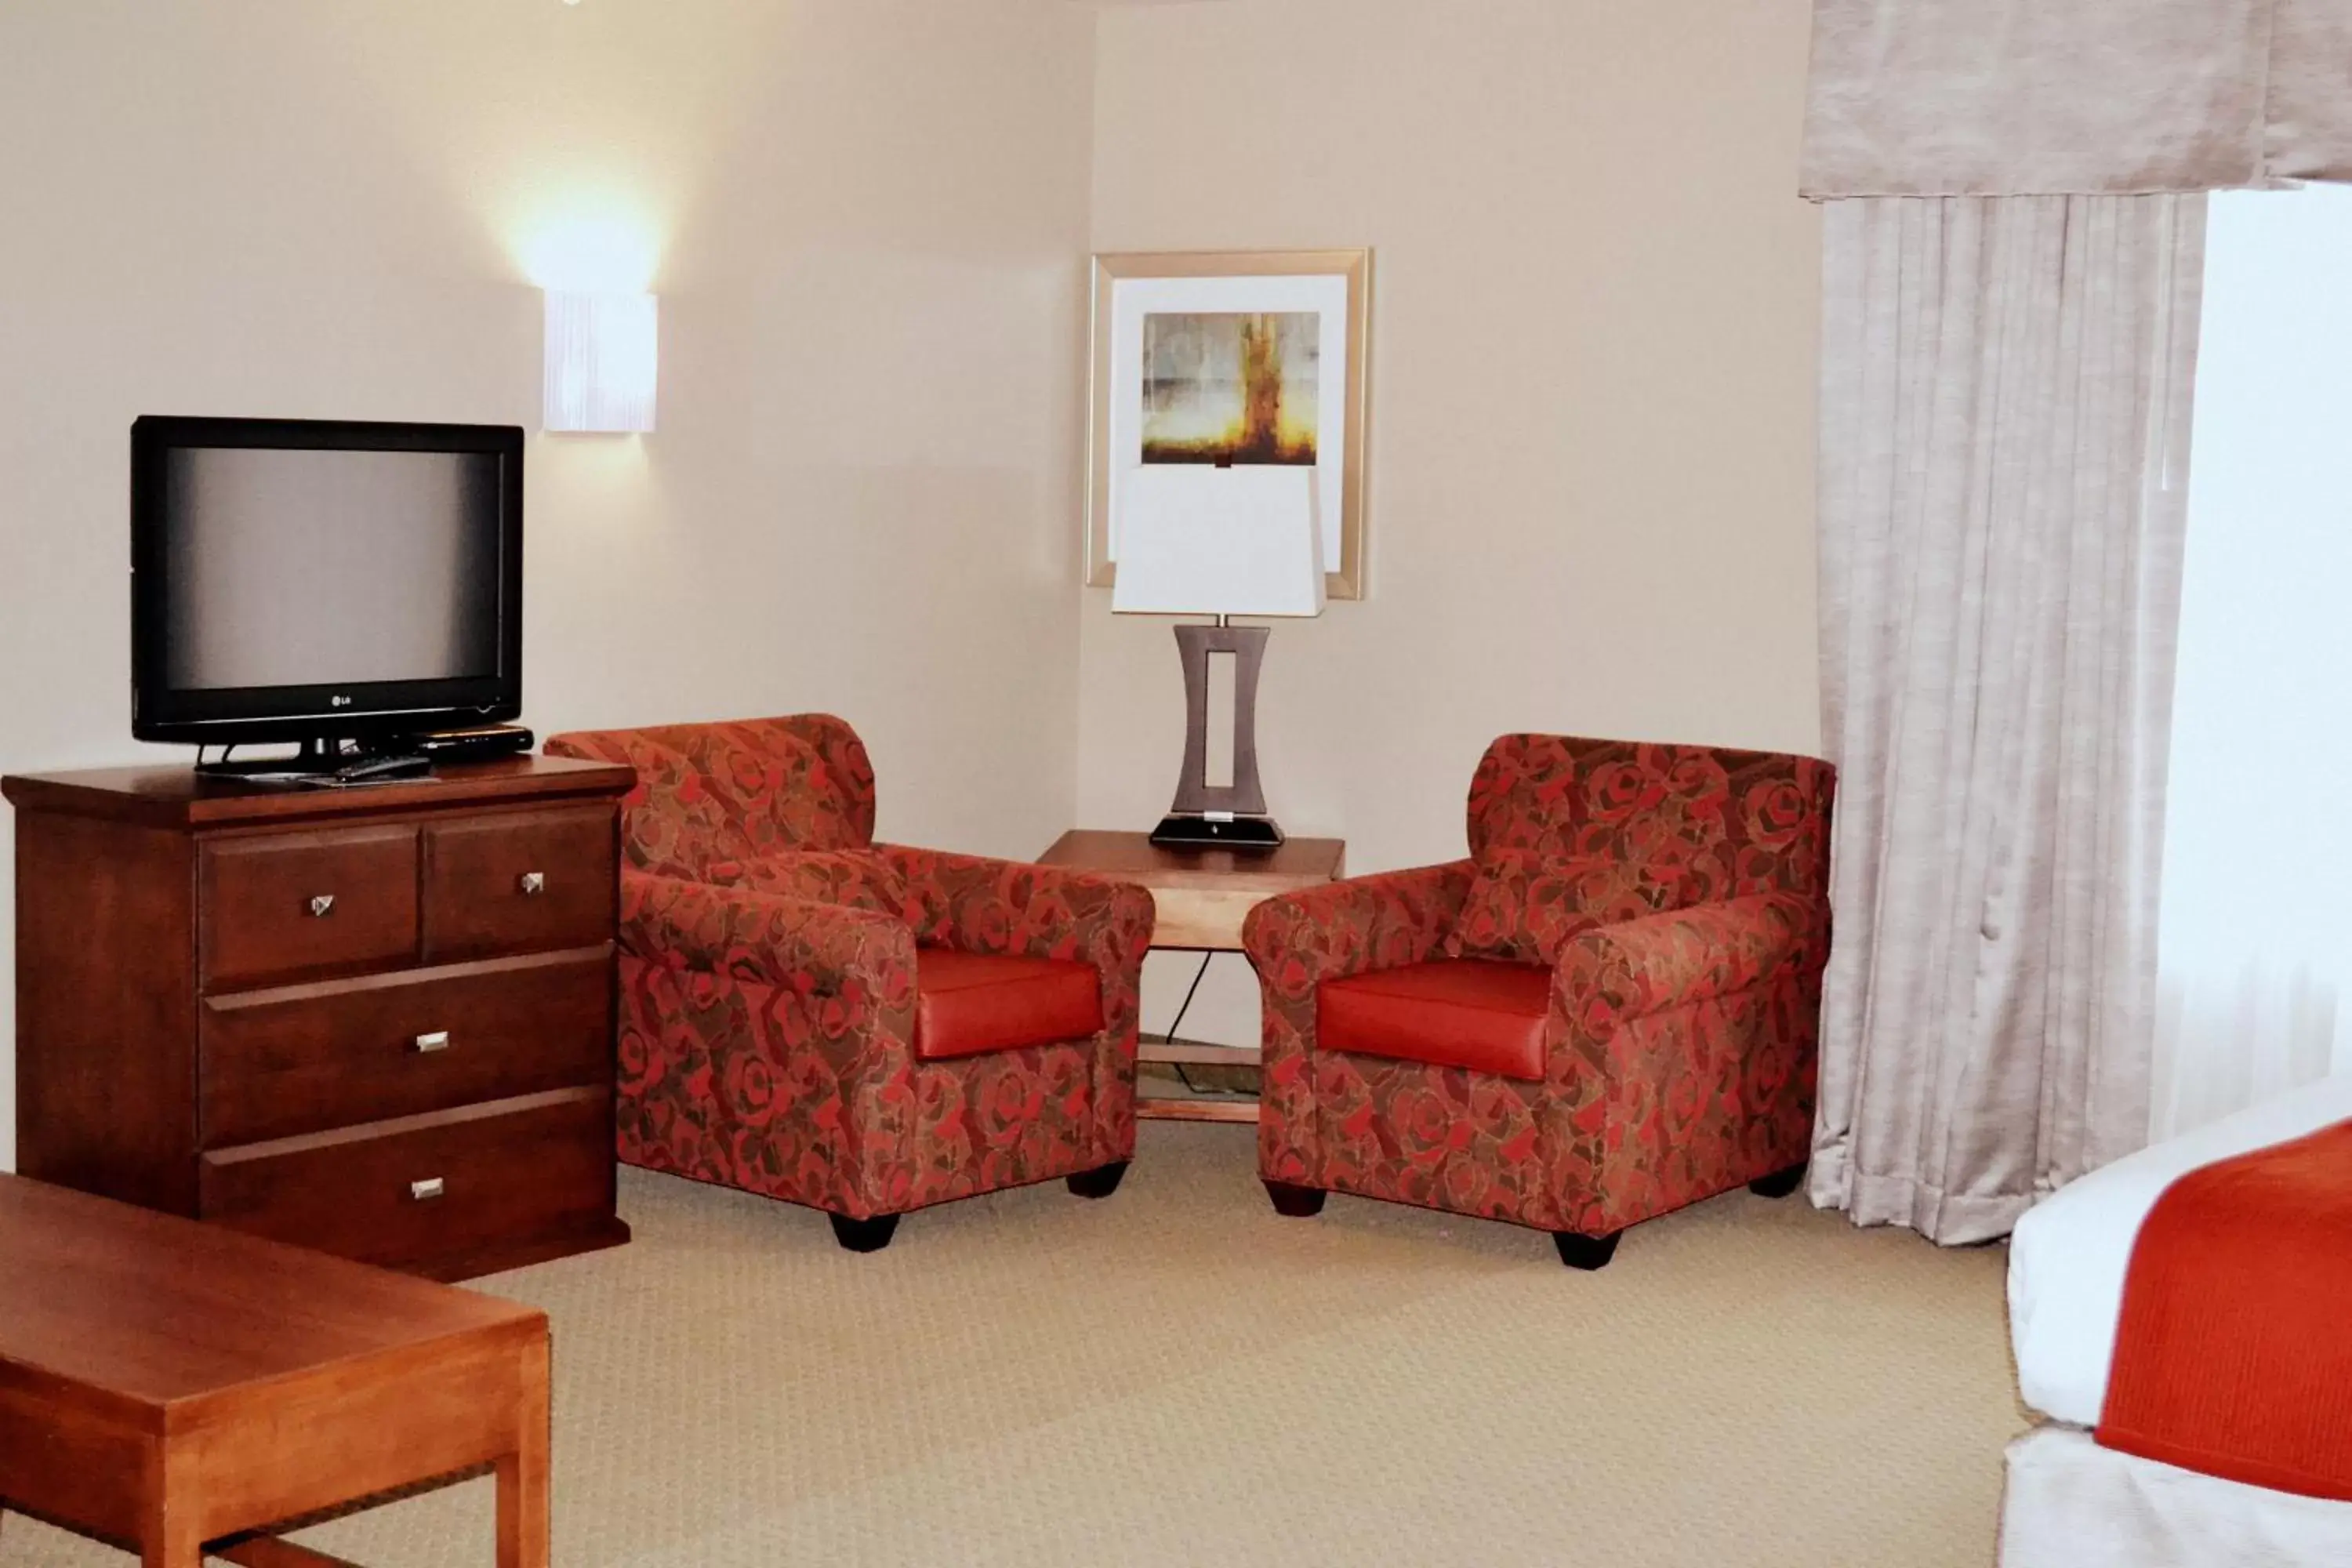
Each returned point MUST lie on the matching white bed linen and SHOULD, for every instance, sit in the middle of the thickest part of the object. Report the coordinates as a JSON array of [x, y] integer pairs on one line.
[[2070, 1503], [2067, 1259]]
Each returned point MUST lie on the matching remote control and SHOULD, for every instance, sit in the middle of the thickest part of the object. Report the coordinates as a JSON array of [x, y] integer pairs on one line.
[[384, 768]]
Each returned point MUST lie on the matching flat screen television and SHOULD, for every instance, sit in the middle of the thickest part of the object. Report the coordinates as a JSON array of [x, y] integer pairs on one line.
[[321, 581]]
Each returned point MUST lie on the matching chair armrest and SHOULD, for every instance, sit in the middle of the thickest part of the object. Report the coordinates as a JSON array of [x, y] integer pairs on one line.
[[865, 960], [976, 904], [804, 1010], [1297, 940], [1696, 953], [1680, 1050]]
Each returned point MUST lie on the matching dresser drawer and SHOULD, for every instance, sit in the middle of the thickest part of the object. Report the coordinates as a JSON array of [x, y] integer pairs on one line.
[[424, 1187], [520, 883], [300, 905], [303, 1058]]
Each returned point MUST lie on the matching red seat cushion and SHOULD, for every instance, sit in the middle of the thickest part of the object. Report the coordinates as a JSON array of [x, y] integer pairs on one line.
[[969, 1003], [1472, 1012]]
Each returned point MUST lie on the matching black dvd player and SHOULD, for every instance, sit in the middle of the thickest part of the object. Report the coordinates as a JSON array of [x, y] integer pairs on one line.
[[471, 745]]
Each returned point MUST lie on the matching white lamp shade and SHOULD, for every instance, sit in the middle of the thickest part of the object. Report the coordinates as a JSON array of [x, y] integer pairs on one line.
[[602, 353], [1200, 541]]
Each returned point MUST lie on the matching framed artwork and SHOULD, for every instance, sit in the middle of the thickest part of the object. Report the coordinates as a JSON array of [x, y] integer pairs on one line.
[[1232, 358]]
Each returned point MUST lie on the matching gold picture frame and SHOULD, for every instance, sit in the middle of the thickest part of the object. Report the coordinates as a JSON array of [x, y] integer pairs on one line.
[[1117, 366]]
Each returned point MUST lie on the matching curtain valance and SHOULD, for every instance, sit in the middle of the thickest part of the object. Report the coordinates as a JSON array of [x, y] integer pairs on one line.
[[2059, 97]]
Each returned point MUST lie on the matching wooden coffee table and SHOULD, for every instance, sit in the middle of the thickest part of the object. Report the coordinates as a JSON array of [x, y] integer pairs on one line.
[[1202, 896], [169, 1387]]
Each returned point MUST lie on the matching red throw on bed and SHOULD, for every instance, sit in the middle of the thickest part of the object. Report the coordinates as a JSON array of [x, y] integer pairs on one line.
[[2233, 1355]]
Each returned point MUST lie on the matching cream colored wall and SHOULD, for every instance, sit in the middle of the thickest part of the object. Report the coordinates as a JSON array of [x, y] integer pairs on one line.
[[867, 219], [1595, 310]]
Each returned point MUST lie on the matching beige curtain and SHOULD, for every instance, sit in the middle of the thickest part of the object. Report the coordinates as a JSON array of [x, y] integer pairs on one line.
[[2009, 97], [2003, 456]]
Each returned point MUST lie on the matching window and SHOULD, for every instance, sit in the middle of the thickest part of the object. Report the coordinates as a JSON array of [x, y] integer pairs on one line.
[[2254, 963]]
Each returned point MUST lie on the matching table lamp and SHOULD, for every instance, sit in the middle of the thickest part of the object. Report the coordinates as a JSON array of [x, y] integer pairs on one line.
[[1195, 540]]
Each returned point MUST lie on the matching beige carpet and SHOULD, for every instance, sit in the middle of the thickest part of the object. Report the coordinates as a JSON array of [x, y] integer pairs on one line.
[[1175, 1375]]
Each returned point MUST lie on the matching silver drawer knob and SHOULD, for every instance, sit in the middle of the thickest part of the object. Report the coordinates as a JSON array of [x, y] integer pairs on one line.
[[430, 1187], [320, 904], [534, 882], [439, 1041]]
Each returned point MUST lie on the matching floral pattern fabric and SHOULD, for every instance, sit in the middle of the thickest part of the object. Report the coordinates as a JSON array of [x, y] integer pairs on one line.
[[768, 984], [1569, 833], [855, 878], [978, 905], [1680, 1043], [722, 794], [1300, 940]]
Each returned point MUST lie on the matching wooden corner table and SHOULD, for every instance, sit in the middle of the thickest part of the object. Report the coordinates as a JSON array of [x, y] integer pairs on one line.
[[1202, 896], [168, 1385]]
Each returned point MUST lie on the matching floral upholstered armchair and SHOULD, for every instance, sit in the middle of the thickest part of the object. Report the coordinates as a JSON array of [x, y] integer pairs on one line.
[[861, 1027], [1607, 1011]]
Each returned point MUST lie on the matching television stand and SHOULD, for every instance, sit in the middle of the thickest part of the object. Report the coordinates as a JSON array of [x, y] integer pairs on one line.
[[322, 763], [373, 1022]]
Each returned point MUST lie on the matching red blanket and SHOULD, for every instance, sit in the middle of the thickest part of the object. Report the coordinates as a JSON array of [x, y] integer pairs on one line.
[[2233, 1355]]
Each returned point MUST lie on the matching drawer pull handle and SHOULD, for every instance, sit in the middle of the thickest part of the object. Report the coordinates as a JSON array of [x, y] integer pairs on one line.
[[320, 903], [430, 1187], [534, 883], [439, 1041]]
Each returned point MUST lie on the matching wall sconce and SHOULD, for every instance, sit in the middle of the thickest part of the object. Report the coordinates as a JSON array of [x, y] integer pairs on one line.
[[601, 349]]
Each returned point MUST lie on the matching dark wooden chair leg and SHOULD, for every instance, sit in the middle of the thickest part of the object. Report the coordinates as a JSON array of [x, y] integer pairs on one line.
[[1098, 1182], [1780, 1184], [1586, 1252], [1293, 1202], [864, 1234]]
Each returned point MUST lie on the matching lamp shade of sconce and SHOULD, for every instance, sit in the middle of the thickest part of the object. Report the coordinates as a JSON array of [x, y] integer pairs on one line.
[[602, 351]]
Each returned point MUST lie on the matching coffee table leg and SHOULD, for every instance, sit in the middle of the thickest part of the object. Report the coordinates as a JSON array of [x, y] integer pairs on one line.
[[171, 1540], [167, 1532], [522, 1475]]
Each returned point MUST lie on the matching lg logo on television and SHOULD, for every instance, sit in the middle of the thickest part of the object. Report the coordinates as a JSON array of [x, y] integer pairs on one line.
[[339, 701]]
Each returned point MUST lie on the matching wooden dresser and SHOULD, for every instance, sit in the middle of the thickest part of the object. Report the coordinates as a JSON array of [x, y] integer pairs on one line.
[[378, 1021]]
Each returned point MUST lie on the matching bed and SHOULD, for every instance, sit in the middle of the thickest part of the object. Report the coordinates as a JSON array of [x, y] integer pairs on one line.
[[2071, 1503]]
